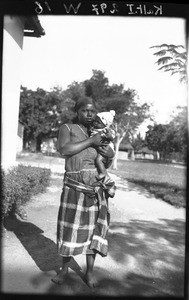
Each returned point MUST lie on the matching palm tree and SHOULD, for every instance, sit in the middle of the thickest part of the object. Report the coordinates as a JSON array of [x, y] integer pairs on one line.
[[173, 59]]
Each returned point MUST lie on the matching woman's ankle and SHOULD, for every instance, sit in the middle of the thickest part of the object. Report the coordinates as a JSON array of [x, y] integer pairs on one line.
[[90, 279]]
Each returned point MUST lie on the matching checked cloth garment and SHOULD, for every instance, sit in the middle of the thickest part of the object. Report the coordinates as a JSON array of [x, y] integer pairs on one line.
[[83, 218]]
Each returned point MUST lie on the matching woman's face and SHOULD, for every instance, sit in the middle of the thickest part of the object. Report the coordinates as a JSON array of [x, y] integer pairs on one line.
[[86, 114]]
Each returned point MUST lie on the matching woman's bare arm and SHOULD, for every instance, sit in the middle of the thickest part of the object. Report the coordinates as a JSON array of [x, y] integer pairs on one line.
[[67, 148]]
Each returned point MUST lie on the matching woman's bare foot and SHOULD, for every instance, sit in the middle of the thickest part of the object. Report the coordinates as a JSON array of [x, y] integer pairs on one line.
[[90, 280], [60, 277]]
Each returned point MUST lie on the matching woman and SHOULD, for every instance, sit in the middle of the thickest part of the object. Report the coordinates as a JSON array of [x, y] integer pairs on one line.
[[83, 216]]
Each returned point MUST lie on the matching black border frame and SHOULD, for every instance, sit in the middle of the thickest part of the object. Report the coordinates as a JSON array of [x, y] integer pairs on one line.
[[178, 9]]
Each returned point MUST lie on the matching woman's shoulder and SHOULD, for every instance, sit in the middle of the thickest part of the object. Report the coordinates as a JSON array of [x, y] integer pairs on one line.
[[67, 125], [70, 126]]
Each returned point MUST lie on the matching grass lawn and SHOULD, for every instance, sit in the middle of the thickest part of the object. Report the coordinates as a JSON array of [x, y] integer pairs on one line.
[[165, 181]]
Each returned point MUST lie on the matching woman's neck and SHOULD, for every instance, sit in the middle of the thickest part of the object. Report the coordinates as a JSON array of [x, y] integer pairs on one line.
[[85, 128]]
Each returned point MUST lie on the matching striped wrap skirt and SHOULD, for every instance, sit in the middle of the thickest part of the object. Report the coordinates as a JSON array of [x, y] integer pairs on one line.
[[83, 219]]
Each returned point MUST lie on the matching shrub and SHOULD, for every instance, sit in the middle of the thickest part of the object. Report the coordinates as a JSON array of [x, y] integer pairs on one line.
[[176, 200], [4, 204], [37, 179], [19, 184]]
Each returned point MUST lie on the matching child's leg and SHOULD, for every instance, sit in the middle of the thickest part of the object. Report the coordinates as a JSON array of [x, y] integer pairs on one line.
[[100, 165]]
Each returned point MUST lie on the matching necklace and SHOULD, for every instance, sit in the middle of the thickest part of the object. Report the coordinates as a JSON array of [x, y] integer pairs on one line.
[[83, 130]]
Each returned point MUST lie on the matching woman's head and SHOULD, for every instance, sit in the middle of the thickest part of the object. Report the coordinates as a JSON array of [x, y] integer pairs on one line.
[[86, 110]]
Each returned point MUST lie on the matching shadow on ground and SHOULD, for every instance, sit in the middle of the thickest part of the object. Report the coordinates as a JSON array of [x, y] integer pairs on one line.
[[156, 238], [151, 253], [40, 248], [153, 249]]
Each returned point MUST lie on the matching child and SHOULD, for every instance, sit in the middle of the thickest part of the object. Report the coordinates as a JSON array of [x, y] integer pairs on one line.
[[102, 124]]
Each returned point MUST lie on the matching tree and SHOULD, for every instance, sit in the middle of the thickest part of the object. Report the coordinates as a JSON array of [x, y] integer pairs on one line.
[[170, 139], [156, 138], [42, 112], [129, 115], [177, 132], [68, 112], [173, 59], [137, 142], [39, 112], [25, 113], [75, 90], [96, 87]]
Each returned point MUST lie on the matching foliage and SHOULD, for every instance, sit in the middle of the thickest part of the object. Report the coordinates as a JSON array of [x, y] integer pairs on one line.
[[137, 142], [96, 87], [129, 113], [179, 125], [171, 138], [155, 138], [4, 205], [20, 184], [173, 58], [75, 91], [41, 113]]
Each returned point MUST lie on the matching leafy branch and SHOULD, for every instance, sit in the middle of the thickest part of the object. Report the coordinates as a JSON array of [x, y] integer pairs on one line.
[[172, 58]]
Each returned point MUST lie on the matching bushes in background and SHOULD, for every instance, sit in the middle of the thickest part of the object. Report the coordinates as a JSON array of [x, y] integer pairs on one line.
[[19, 184]]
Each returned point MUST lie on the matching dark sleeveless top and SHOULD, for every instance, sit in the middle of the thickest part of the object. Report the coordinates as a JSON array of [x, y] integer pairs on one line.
[[81, 166]]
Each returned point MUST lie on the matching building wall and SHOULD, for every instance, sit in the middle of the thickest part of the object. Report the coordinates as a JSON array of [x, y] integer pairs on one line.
[[144, 156], [123, 155], [11, 78]]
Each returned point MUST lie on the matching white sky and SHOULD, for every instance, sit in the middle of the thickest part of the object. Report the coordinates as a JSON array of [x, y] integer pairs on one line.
[[120, 46]]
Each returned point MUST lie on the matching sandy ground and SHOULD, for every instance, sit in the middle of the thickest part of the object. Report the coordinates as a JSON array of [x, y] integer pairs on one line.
[[146, 248]]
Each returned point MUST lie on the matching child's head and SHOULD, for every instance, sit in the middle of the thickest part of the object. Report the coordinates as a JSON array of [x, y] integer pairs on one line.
[[104, 119], [98, 124]]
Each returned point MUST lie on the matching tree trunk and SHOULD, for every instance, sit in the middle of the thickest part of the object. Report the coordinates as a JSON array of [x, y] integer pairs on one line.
[[38, 143], [25, 140], [132, 155], [33, 145], [24, 144], [117, 144]]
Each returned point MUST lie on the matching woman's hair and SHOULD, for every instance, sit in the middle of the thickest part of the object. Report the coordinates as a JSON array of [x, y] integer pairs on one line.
[[84, 101]]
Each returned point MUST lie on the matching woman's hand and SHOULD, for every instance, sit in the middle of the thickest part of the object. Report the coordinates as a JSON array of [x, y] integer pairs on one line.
[[96, 140], [106, 151]]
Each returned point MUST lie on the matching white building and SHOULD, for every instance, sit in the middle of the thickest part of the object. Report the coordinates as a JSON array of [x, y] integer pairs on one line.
[[14, 30]]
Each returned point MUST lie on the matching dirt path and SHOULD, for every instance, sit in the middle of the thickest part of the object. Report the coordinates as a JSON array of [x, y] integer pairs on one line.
[[146, 248]]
